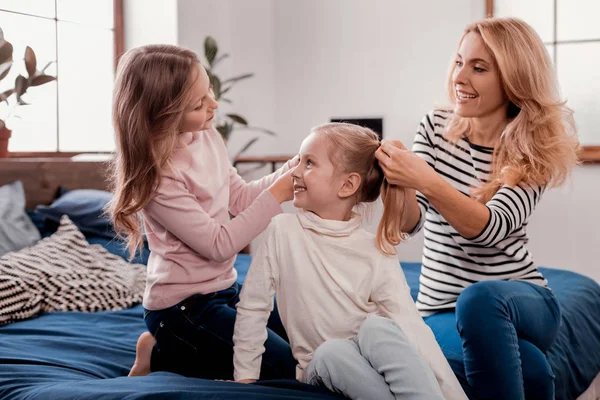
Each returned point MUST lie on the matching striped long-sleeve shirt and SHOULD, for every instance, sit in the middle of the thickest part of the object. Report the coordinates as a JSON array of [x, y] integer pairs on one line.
[[452, 262]]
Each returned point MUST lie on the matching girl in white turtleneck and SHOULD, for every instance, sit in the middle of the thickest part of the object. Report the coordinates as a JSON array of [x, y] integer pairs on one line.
[[341, 293]]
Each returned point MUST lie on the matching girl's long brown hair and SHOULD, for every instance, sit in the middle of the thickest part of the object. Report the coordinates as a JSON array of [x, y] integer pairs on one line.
[[150, 94], [539, 145], [353, 150]]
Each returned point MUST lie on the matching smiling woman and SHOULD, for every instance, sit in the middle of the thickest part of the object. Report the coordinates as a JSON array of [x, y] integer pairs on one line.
[[479, 171]]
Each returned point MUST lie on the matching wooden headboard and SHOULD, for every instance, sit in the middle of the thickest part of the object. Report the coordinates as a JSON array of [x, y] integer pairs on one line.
[[41, 177]]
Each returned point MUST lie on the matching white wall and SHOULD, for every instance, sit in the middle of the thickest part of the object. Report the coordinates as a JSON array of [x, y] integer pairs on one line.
[[245, 30], [318, 59], [150, 21]]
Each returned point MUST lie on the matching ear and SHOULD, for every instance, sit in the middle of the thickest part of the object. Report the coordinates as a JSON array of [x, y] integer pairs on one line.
[[350, 185]]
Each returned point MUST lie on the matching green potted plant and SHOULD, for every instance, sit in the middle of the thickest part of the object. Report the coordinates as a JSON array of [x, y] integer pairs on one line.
[[22, 83], [227, 123]]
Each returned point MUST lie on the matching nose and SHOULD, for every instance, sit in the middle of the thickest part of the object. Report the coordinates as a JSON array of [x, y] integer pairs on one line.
[[215, 104], [296, 173], [461, 75]]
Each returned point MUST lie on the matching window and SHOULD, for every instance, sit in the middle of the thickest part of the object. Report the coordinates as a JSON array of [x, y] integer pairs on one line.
[[572, 36], [83, 37]]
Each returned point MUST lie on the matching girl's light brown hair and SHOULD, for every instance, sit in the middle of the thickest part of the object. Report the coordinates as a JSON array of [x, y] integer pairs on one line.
[[352, 149], [539, 145], [151, 91]]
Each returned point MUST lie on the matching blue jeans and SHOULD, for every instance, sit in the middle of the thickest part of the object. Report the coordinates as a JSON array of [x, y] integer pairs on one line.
[[194, 338], [505, 328]]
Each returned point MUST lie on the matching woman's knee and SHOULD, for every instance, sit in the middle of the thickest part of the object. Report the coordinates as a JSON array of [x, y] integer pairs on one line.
[[478, 302]]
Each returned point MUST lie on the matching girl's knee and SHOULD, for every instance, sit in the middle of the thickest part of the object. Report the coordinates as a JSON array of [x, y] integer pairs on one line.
[[330, 350], [374, 325]]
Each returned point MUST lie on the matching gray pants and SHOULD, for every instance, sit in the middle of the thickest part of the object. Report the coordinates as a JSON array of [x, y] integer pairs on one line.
[[377, 364]]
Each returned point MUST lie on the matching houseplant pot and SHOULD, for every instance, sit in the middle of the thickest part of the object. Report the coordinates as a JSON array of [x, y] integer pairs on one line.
[[5, 134]]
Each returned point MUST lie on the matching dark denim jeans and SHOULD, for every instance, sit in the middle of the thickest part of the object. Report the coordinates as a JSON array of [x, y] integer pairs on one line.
[[194, 338], [506, 328]]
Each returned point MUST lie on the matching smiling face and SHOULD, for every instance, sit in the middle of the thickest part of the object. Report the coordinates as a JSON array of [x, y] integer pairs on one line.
[[200, 109], [476, 80], [316, 182]]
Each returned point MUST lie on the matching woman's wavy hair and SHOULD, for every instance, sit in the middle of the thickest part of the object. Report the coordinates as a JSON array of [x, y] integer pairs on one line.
[[539, 145], [352, 149]]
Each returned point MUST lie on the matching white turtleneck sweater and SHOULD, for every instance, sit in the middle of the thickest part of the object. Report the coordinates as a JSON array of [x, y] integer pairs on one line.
[[328, 276]]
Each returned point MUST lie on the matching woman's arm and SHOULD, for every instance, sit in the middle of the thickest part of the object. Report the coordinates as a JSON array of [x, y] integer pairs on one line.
[[486, 224]]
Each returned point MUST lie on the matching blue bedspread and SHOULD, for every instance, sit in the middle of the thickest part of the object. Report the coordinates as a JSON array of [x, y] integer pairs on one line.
[[87, 355], [574, 356], [71, 355]]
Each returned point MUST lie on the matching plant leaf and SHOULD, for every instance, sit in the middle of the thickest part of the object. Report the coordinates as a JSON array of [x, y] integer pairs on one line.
[[20, 86], [227, 89], [4, 96], [238, 78], [5, 69], [237, 118], [246, 147], [256, 128], [41, 79], [30, 61], [219, 59], [225, 129], [216, 85], [6, 51], [210, 49]]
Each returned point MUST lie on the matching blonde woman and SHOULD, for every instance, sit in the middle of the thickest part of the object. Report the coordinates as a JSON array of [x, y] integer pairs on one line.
[[478, 171]]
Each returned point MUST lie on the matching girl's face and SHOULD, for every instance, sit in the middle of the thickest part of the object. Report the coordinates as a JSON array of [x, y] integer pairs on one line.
[[476, 80], [200, 109], [316, 182]]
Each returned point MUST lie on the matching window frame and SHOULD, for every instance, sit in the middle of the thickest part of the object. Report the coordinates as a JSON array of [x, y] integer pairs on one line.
[[119, 49], [589, 154]]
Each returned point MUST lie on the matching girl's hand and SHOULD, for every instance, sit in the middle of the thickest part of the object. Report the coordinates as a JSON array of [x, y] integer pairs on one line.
[[246, 381], [404, 168], [283, 188]]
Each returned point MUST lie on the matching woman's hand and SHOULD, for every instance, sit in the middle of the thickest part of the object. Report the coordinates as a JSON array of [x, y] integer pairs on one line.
[[246, 381], [404, 168]]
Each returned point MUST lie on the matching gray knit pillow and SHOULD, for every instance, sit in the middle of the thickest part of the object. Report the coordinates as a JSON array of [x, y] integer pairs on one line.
[[65, 273], [16, 229]]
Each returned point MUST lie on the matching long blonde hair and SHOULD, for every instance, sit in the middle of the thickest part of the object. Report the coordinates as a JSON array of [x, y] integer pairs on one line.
[[151, 90], [539, 145], [352, 149]]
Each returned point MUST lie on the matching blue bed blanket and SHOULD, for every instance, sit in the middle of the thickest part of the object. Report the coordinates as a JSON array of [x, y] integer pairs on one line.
[[73, 355], [61, 356], [574, 356]]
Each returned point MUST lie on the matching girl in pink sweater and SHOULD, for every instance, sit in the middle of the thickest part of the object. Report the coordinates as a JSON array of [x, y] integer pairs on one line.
[[172, 178]]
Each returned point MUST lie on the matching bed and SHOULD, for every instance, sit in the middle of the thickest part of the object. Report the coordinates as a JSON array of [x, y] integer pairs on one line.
[[79, 355]]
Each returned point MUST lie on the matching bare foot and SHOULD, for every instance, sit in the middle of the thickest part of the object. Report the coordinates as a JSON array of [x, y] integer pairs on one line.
[[143, 351]]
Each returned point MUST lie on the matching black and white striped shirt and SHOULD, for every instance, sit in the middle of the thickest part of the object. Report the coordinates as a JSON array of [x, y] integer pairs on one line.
[[451, 262]]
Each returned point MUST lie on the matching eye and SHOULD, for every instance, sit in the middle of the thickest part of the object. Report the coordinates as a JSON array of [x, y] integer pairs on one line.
[[458, 63], [478, 69], [198, 108], [309, 163]]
